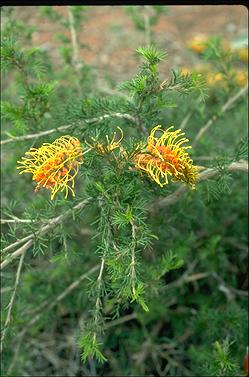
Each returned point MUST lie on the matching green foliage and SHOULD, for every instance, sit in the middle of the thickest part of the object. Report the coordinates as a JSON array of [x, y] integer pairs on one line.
[[144, 17], [126, 278], [241, 152], [151, 54], [169, 261], [90, 348]]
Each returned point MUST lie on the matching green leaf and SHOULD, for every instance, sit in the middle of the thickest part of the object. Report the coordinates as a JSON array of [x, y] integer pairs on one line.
[[151, 54]]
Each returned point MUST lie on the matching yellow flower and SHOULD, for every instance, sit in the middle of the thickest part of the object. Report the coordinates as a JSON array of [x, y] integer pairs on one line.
[[243, 54], [215, 78], [165, 156], [185, 71], [198, 43], [241, 78], [54, 165], [109, 146]]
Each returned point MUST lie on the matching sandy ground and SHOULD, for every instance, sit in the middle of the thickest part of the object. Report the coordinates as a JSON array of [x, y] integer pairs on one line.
[[112, 38]]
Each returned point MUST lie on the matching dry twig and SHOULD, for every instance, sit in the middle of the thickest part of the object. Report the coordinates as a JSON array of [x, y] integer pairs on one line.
[[10, 306], [62, 128], [43, 230], [52, 304], [224, 108], [206, 174]]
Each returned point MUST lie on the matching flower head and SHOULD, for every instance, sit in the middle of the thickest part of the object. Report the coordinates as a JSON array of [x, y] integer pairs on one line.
[[54, 165], [108, 147], [241, 78], [165, 156], [198, 43]]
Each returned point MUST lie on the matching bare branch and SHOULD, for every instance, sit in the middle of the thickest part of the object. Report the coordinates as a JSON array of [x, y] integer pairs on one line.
[[17, 253], [54, 302], [188, 115], [74, 39], [224, 108], [15, 220], [133, 262], [206, 174], [120, 320], [230, 292], [34, 136], [43, 230], [59, 298], [10, 306], [62, 128]]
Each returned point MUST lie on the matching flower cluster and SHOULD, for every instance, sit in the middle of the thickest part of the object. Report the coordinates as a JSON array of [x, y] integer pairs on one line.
[[54, 165], [165, 156]]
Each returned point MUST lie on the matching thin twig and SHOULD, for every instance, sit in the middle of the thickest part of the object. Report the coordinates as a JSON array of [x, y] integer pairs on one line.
[[17, 243], [224, 108], [185, 120], [132, 265], [183, 278], [146, 15], [229, 291], [17, 253], [62, 128], [54, 302], [188, 116], [99, 283], [59, 298], [43, 230], [15, 220], [77, 64], [34, 136], [7, 321], [74, 39], [121, 320], [206, 174]]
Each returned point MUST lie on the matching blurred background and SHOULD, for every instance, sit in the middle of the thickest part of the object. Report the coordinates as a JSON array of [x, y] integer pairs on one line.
[[110, 34]]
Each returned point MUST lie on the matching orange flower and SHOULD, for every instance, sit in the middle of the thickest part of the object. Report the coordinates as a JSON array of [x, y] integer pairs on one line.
[[165, 156], [241, 78], [54, 165], [198, 43]]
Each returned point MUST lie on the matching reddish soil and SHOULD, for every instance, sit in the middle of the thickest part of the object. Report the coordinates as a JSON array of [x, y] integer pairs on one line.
[[112, 37]]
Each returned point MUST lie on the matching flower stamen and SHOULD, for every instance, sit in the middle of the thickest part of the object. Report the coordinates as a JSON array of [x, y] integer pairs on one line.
[[54, 166], [165, 156]]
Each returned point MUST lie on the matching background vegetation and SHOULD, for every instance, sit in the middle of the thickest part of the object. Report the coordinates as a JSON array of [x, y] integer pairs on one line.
[[73, 303]]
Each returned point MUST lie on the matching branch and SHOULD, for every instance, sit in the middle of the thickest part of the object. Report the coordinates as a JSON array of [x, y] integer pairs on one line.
[[119, 321], [62, 128], [147, 28], [230, 292], [34, 136], [59, 298], [76, 63], [54, 302], [98, 299], [74, 40], [15, 220], [18, 273], [43, 230], [224, 108], [188, 115], [132, 265], [206, 174]]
